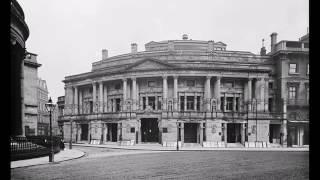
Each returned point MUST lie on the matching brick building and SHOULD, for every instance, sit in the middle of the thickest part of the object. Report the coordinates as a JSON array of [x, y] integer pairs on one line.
[[193, 91]]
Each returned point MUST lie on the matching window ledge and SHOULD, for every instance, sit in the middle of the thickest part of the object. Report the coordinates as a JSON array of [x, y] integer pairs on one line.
[[293, 73]]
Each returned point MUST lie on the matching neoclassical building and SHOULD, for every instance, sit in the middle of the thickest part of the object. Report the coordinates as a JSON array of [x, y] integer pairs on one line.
[[189, 92]]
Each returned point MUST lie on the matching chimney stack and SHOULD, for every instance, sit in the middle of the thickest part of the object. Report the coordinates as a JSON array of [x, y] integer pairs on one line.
[[134, 48], [273, 41], [104, 54], [185, 37]]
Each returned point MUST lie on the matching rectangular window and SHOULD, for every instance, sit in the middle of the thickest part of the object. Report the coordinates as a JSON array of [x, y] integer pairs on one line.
[[237, 103], [151, 84], [190, 102], [164, 130], [293, 68], [118, 104], [308, 69], [152, 102], [190, 83], [132, 130], [159, 103], [229, 104], [270, 85], [181, 103], [144, 103], [292, 92], [222, 103], [198, 103]]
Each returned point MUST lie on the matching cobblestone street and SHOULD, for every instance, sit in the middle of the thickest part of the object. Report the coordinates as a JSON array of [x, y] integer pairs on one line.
[[101, 163]]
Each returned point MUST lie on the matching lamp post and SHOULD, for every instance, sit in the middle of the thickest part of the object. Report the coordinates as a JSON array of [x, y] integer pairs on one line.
[[50, 108]]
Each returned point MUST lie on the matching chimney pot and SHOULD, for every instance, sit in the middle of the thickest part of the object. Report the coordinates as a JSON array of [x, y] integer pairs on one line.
[[134, 48], [104, 54], [273, 41]]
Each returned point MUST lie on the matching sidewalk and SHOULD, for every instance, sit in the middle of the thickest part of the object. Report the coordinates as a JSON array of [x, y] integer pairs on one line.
[[158, 147], [64, 155]]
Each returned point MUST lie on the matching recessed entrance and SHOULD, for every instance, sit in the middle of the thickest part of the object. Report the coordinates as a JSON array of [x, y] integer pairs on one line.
[[84, 132], [274, 136], [190, 132], [233, 133], [149, 130], [112, 132]]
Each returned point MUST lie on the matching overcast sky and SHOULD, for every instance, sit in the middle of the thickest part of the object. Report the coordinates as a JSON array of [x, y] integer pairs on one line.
[[68, 35]]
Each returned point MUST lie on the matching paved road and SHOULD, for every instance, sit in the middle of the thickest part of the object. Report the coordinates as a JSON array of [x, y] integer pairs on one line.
[[98, 164]]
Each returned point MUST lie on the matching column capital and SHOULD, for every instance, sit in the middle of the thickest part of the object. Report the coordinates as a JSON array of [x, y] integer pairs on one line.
[[99, 82], [218, 77], [208, 77], [250, 78], [93, 82], [133, 78], [258, 78], [75, 86], [124, 79], [266, 79], [175, 77], [164, 77]]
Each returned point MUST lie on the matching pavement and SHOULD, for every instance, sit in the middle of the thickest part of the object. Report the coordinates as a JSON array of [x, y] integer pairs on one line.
[[69, 154], [64, 155], [159, 147]]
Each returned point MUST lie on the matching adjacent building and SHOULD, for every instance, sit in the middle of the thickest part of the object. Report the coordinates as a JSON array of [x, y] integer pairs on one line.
[[30, 94], [192, 92]]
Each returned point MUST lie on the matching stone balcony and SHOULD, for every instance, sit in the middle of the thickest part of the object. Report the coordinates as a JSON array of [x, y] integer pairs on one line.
[[292, 46]]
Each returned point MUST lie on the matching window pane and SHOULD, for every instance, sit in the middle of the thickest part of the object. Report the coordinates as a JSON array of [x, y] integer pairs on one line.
[[293, 68]]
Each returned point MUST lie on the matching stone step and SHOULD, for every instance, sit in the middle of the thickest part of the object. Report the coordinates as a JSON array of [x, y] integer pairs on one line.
[[234, 145], [191, 145]]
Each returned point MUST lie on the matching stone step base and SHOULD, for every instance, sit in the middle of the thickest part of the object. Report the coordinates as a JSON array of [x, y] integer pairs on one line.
[[234, 145]]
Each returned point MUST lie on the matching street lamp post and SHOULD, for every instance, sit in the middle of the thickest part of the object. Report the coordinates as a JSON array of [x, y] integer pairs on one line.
[[50, 108]]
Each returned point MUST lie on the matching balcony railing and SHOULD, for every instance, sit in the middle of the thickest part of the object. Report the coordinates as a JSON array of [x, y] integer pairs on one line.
[[292, 46]]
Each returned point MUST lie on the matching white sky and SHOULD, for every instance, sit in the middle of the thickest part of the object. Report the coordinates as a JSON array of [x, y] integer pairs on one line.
[[68, 35]]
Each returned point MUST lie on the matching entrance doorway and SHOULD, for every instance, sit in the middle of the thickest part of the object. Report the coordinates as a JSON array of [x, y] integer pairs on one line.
[[112, 132], [149, 130], [190, 132], [84, 132], [274, 136], [233, 133]]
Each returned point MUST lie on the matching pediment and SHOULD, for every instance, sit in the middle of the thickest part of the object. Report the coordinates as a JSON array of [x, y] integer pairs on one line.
[[149, 64]]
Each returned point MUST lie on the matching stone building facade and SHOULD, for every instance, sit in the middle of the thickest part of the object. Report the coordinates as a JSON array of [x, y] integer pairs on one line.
[[19, 33], [189, 92], [30, 94]]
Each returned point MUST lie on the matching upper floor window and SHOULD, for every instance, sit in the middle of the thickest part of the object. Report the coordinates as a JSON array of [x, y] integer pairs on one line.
[[293, 68], [292, 92], [190, 83], [151, 84], [308, 69], [270, 85]]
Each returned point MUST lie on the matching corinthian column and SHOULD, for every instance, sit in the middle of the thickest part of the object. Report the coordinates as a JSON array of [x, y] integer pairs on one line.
[[165, 92], [94, 95], [75, 100], [100, 97], [217, 91], [124, 94], [175, 93], [207, 92], [134, 93]]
